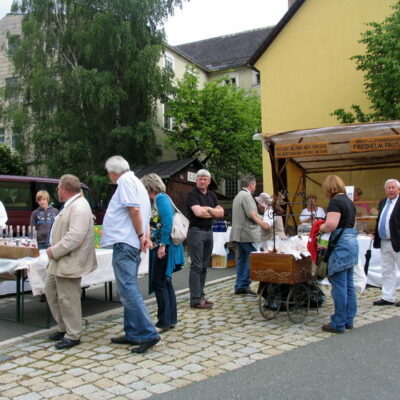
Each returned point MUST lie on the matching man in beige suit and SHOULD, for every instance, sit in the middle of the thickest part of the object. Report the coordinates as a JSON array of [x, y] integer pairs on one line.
[[71, 255]]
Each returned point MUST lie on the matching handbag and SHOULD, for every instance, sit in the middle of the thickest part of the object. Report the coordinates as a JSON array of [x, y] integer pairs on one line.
[[323, 257], [180, 226]]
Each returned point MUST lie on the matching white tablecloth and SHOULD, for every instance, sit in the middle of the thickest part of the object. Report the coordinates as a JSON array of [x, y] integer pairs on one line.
[[219, 241], [36, 268]]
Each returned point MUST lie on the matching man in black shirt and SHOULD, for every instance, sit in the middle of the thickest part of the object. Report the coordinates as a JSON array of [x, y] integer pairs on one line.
[[203, 206]]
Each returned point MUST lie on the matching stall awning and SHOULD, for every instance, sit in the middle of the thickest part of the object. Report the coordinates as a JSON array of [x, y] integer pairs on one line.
[[339, 148]]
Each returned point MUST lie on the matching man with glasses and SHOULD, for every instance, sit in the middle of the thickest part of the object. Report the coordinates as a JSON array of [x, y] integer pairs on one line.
[[71, 256]]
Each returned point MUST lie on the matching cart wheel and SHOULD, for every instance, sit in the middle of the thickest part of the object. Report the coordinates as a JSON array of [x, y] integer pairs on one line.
[[298, 303], [270, 300]]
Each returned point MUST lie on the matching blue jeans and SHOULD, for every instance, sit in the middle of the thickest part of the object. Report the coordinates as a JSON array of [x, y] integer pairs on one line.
[[344, 299], [164, 291], [200, 247], [138, 325], [243, 266]]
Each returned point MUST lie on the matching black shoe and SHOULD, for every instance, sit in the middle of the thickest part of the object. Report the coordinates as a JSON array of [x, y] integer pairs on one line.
[[348, 327], [66, 343], [56, 335], [245, 291], [382, 302], [144, 346], [123, 340], [328, 328]]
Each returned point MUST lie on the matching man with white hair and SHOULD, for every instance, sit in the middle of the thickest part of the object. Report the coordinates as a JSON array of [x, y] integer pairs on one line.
[[387, 238], [202, 206], [125, 228]]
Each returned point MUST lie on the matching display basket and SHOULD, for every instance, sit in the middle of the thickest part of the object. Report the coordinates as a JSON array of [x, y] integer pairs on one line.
[[279, 268], [14, 252]]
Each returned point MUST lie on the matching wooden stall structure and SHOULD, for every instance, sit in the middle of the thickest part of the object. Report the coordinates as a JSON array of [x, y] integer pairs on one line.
[[331, 150]]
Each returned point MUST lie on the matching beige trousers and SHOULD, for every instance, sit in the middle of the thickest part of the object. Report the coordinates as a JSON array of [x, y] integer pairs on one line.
[[64, 299]]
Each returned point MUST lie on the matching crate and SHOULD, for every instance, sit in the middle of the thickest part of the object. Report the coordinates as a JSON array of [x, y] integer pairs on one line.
[[279, 268], [218, 261]]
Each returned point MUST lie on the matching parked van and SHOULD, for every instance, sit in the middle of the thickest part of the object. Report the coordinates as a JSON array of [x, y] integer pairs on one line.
[[18, 194]]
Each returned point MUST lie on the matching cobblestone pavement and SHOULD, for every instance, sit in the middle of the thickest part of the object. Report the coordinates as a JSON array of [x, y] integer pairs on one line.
[[204, 344]]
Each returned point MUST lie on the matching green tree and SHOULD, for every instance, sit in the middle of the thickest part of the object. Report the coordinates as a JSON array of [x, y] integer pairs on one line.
[[215, 124], [10, 163], [381, 67], [89, 79]]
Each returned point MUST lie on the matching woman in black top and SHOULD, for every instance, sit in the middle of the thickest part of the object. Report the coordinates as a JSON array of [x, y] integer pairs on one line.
[[340, 220]]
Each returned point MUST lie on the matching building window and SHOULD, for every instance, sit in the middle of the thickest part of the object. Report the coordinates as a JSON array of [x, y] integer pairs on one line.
[[13, 43], [169, 61], [11, 89], [168, 121], [232, 79], [231, 187], [2, 135], [16, 139], [256, 78]]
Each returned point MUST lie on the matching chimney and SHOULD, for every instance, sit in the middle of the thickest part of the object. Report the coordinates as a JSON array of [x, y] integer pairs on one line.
[[290, 3]]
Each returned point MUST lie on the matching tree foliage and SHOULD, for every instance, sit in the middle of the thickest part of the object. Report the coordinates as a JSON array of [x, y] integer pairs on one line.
[[216, 124], [10, 163], [89, 79], [381, 67]]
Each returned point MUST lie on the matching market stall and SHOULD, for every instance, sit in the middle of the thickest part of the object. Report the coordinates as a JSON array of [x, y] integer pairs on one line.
[[342, 149]]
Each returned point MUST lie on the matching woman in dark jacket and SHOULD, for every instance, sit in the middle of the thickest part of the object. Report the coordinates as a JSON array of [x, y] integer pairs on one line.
[[340, 219], [165, 257]]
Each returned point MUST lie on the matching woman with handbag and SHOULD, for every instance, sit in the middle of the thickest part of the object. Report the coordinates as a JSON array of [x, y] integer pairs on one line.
[[165, 257], [340, 220]]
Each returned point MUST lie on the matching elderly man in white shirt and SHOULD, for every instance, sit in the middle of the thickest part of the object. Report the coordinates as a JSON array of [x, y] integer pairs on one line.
[[125, 229], [387, 238]]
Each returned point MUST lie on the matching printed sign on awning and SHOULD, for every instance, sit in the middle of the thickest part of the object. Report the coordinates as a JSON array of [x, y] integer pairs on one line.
[[301, 150], [376, 143]]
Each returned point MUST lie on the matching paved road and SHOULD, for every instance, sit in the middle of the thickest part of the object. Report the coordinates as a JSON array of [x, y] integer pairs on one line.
[[35, 311], [362, 364]]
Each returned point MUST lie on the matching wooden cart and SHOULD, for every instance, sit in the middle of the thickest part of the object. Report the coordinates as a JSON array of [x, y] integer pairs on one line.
[[275, 270]]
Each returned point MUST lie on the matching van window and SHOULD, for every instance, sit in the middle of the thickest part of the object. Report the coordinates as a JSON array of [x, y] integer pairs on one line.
[[89, 198], [51, 188], [16, 195]]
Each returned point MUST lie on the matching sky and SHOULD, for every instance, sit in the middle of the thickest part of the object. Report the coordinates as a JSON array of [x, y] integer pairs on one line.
[[203, 19]]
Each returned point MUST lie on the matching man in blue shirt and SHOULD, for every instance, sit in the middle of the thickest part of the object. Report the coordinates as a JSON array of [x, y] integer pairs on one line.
[[125, 228]]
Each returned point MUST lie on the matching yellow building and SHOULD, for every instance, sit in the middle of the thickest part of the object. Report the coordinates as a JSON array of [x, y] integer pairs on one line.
[[306, 73]]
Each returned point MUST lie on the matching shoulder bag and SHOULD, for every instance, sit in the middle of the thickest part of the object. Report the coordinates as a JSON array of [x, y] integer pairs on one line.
[[180, 226], [323, 257]]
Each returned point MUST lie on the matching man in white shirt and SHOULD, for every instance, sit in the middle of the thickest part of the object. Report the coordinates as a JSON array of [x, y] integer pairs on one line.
[[387, 238], [312, 211], [125, 229], [3, 216]]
